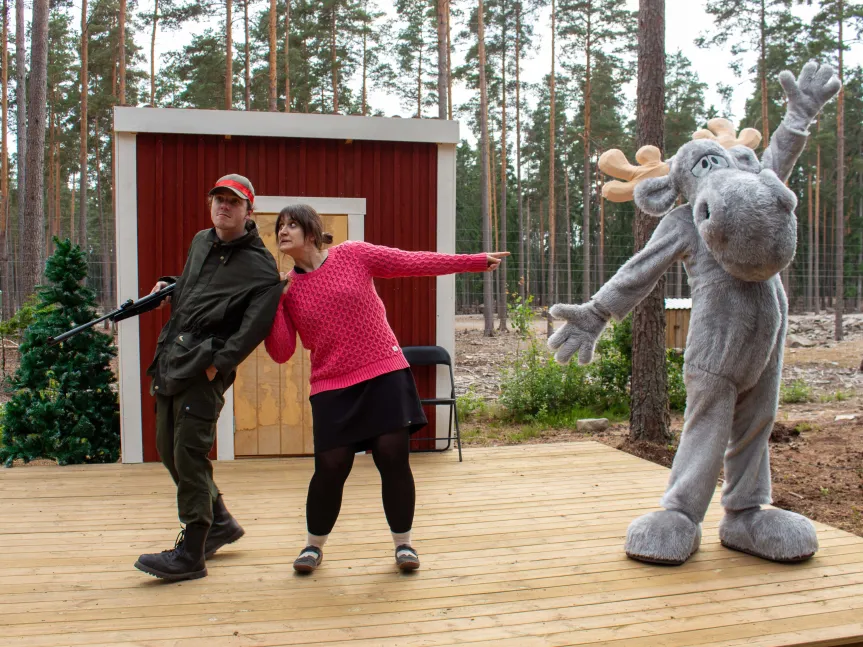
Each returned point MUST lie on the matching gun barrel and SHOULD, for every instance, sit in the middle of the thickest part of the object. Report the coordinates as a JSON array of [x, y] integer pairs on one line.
[[53, 341], [128, 309]]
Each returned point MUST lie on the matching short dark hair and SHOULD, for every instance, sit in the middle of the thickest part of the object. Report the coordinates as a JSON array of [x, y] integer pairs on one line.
[[308, 220]]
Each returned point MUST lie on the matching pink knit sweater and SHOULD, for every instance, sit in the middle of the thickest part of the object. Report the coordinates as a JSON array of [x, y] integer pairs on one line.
[[340, 317]]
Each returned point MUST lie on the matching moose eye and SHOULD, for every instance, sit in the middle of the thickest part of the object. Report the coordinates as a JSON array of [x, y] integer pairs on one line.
[[717, 161], [702, 167]]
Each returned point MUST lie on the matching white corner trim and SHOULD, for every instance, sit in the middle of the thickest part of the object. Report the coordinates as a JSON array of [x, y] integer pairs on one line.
[[324, 206], [445, 305], [279, 124], [225, 428], [357, 226], [129, 362]]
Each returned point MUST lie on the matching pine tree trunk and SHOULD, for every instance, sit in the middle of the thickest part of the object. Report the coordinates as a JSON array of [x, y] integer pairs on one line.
[[585, 232], [72, 204], [272, 68], [365, 68], [568, 238], [649, 416], [552, 287], [247, 64], [817, 215], [49, 211], [839, 307], [528, 245], [420, 82], [502, 247], [287, 55], [82, 154], [334, 61], [810, 255], [6, 283], [21, 135], [829, 259], [523, 288], [33, 220], [229, 57], [542, 275], [153, 53], [859, 256], [484, 173], [448, 61], [762, 73], [103, 226], [442, 82], [122, 55], [601, 274]]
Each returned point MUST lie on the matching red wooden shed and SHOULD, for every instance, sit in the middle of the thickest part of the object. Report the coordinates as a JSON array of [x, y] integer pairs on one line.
[[388, 181]]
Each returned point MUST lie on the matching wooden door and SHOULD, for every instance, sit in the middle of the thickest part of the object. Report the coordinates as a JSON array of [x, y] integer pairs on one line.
[[272, 415]]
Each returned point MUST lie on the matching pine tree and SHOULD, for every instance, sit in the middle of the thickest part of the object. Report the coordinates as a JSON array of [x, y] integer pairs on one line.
[[64, 404], [684, 102], [649, 417], [590, 28], [415, 50], [751, 25]]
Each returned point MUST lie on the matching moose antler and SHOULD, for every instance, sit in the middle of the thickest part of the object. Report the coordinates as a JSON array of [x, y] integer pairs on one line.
[[614, 163], [722, 131]]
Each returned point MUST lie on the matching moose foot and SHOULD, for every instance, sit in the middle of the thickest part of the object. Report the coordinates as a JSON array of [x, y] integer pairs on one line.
[[663, 537], [777, 535]]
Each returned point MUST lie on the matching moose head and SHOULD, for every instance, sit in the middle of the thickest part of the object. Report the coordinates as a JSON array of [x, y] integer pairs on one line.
[[743, 212]]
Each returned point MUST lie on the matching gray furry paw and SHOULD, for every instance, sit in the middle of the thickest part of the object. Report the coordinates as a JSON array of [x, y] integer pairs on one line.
[[663, 537], [808, 93], [584, 325], [777, 535]]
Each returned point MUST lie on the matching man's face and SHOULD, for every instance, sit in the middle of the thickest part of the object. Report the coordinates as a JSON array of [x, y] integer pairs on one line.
[[229, 212]]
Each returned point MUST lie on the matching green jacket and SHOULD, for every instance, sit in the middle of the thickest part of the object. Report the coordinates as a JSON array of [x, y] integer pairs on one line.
[[222, 308]]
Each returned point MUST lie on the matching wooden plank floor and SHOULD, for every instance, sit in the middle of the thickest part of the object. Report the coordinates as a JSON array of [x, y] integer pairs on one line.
[[520, 546]]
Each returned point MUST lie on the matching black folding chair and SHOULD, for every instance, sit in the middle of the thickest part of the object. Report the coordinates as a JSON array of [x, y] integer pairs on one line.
[[435, 356]]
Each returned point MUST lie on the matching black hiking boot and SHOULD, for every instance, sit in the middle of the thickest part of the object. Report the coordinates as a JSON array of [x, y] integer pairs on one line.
[[225, 529], [184, 562]]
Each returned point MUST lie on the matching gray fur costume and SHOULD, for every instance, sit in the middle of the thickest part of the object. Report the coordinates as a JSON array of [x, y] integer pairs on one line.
[[735, 233]]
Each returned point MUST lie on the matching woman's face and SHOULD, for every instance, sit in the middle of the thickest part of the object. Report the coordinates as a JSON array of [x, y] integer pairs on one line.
[[292, 239]]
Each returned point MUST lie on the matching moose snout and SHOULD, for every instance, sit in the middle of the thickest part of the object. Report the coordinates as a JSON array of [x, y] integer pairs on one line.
[[747, 221]]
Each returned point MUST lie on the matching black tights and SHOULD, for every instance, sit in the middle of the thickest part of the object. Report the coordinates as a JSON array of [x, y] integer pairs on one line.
[[332, 467]]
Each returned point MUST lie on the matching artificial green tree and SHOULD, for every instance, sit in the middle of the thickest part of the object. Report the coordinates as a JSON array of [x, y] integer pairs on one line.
[[64, 402]]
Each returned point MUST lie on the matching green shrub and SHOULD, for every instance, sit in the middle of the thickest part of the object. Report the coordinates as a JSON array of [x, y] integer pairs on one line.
[[470, 404], [794, 392], [676, 387], [535, 387], [521, 314]]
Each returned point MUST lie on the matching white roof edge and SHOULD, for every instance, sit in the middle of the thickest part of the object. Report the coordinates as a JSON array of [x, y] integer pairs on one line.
[[280, 124]]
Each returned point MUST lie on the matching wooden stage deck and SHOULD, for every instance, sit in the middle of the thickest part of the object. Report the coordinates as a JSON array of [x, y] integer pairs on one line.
[[520, 546]]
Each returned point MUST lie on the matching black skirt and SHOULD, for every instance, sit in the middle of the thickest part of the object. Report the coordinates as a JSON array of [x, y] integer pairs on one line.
[[357, 414]]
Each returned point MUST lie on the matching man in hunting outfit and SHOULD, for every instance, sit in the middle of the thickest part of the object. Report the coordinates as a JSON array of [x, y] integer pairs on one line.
[[222, 308]]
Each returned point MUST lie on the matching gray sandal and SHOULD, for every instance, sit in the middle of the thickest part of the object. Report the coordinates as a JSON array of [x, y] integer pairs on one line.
[[407, 558], [309, 559]]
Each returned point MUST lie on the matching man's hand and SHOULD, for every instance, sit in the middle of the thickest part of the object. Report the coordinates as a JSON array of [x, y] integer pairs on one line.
[[494, 260], [808, 93], [211, 373], [160, 285], [580, 333], [285, 276]]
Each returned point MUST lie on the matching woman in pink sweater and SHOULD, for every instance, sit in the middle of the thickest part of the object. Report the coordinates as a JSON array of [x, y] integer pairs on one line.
[[363, 394]]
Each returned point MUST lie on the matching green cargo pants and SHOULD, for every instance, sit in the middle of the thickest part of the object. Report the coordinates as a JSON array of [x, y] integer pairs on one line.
[[185, 433]]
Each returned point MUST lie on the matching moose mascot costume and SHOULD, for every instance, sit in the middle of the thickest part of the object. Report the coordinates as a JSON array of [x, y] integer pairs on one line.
[[735, 232]]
